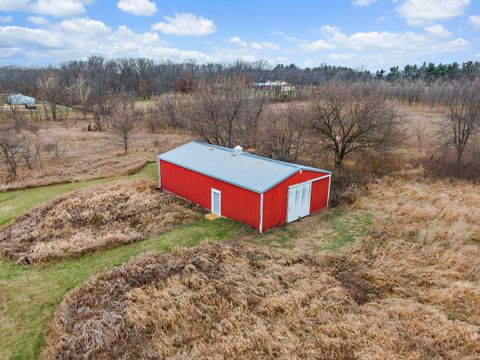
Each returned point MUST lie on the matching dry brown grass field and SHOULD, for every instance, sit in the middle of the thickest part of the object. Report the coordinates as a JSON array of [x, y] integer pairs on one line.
[[420, 120], [392, 273], [84, 155], [93, 219], [407, 289]]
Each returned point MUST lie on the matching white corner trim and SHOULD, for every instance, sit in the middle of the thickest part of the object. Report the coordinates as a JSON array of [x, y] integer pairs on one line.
[[159, 175], [260, 227], [329, 186]]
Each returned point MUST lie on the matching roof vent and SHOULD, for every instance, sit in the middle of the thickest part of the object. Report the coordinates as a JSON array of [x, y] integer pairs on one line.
[[238, 149]]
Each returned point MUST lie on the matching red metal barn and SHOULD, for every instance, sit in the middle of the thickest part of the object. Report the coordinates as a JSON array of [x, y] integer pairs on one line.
[[258, 191]]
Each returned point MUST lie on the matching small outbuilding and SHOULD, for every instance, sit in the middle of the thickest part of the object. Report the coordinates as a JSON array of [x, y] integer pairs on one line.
[[255, 190], [19, 99]]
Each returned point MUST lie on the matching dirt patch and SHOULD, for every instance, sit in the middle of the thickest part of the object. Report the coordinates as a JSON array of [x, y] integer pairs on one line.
[[92, 219], [230, 301]]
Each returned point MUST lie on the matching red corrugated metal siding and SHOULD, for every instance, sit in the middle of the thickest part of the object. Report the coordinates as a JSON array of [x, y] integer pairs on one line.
[[275, 199], [236, 203], [319, 198]]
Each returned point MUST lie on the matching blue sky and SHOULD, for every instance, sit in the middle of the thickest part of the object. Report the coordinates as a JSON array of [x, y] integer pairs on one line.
[[367, 34]]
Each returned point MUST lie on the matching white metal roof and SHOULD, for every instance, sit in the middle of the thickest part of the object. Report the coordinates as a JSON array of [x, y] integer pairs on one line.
[[19, 99], [246, 170]]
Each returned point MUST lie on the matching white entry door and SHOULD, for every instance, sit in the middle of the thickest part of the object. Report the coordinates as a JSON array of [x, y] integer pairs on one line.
[[216, 202], [298, 201]]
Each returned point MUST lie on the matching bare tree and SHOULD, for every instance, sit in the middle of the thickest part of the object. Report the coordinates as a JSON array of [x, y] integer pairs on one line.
[[124, 118], [285, 132], [165, 112], [82, 92], [10, 147], [13, 107], [218, 109], [462, 118], [53, 146], [153, 118], [19, 124], [102, 112], [251, 123], [419, 132], [30, 150], [352, 118], [3, 114], [19, 140], [35, 115], [53, 93]]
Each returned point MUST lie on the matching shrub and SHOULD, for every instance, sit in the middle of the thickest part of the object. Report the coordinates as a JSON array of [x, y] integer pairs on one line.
[[445, 166]]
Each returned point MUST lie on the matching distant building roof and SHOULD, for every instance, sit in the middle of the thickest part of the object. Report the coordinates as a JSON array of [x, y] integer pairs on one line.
[[19, 99], [243, 169], [271, 83]]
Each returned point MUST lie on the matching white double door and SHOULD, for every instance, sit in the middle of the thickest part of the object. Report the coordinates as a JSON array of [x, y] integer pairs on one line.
[[298, 201]]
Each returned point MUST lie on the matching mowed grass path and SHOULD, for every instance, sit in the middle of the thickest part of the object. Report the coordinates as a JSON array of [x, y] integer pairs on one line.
[[29, 295]]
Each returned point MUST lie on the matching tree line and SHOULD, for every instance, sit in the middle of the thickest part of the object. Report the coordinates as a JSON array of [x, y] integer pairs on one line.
[[431, 71], [144, 77]]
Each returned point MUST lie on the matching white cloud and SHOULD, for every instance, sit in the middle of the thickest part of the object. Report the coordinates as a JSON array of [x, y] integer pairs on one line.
[[418, 12], [79, 38], [317, 45], [13, 5], [85, 26], [138, 7], [453, 44], [186, 24], [266, 45], [288, 38], [38, 20], [474, 21], [25, 37], [238, 41], [363, 2], [341, 57], [438, 30], [61, 8], [5, 19], [386, 47]]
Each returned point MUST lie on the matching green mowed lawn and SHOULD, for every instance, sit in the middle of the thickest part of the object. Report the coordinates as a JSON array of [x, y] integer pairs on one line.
[[29, 295]]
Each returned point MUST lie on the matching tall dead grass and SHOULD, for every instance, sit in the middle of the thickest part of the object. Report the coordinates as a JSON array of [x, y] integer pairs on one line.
[[425, 244], [93, 219], [409, 289]]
